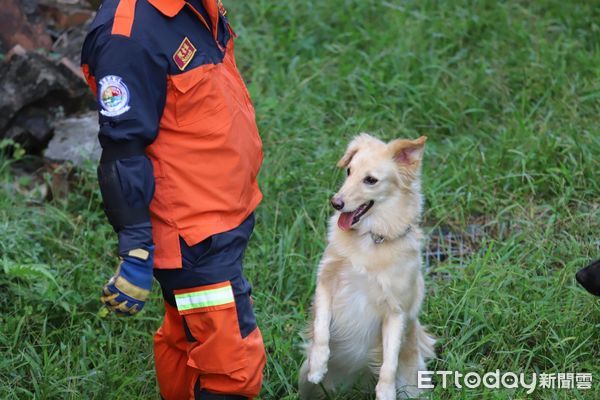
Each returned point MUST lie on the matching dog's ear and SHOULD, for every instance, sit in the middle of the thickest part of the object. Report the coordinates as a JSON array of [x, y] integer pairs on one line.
[[407, 153], [347, 157], [353, 148]]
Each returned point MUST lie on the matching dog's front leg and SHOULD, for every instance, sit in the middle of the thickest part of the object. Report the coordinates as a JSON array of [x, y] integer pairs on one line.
[[392, 331], [319, 350]]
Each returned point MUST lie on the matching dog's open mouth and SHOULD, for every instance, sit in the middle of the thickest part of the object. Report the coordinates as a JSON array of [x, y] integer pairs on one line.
[[347, 219]]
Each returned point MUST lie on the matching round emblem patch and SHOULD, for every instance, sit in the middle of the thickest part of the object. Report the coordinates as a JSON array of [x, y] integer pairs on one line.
[[113, 96]]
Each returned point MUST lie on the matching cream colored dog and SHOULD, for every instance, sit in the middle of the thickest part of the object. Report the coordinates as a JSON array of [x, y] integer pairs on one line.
[[369, 285]]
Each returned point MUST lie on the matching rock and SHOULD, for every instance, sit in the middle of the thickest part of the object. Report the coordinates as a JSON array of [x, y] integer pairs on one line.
[[19, 25], [29, 7], [75, 139], [32, 129], [61, 17], [32, 79], [70, 42], [17, 50], [73, 69], [65, 15]]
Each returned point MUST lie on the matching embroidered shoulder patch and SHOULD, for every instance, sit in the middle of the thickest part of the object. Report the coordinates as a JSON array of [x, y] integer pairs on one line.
[[184, 54], [113, 96], [204, 298]]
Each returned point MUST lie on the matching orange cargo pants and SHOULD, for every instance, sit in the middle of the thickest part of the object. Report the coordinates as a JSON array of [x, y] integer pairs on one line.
[[209, 346]]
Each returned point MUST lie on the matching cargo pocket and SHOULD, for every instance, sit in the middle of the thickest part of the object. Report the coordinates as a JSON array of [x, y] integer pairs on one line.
[[211, 318], [196, 96]]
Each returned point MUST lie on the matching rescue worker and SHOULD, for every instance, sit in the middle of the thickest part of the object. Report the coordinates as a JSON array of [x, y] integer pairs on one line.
[[181, 153]]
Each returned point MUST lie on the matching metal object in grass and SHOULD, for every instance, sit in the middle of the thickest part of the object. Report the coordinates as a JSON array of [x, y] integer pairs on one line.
[[444, 245]]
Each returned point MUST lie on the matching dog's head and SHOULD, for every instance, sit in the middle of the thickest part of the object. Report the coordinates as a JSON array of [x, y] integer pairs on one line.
[[377, 174]]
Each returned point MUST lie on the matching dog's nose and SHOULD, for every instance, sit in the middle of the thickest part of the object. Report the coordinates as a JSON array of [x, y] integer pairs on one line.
[[337, 203]]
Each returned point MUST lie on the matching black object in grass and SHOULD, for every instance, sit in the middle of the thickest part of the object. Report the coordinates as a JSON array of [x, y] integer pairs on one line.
[[589, 277]]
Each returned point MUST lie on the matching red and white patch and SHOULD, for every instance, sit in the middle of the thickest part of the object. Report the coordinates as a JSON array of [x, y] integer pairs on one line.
[[184, 54]]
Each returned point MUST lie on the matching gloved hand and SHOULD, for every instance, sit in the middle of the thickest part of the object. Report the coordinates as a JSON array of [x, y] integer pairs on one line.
[[126, 292]]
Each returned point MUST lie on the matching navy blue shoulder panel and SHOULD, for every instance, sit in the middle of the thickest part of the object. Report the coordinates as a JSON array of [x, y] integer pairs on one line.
[[160, 35], [100, 27], [164, 35], [105, 14], [150, 28]]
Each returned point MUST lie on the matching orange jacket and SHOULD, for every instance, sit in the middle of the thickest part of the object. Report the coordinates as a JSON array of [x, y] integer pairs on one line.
[[206, 151]]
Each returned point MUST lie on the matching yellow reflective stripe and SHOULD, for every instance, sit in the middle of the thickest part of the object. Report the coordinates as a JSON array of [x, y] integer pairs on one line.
[[204, 298], [207, 292]]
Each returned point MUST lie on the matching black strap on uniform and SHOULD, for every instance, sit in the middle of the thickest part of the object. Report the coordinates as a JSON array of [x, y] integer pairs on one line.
[[112, 151], [116, 208], [203, 394]]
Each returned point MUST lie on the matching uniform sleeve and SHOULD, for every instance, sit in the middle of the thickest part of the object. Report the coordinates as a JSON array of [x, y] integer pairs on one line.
[[131, 91]]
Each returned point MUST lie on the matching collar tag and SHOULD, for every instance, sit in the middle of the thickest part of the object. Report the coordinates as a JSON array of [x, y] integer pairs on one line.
[[378, 239]]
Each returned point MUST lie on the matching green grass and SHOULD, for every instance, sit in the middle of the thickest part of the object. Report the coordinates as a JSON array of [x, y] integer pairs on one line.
[[509, 95]]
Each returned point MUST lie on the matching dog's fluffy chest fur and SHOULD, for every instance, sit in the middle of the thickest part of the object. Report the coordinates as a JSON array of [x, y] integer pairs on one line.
[[368, 285], [382, 276]]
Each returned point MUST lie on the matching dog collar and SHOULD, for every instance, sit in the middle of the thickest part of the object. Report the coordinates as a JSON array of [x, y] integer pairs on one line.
[[378, 239]]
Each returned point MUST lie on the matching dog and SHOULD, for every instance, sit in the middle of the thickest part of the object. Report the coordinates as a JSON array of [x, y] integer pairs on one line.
[[369, 283]]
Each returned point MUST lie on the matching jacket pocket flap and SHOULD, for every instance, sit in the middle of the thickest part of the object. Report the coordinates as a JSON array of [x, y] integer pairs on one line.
[[187, 80]]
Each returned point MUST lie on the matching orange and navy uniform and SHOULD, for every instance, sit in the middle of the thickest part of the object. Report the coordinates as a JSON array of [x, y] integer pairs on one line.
[[181, 154]]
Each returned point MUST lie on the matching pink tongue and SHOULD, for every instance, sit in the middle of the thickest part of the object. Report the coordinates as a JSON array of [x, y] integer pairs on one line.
[[345, 220]]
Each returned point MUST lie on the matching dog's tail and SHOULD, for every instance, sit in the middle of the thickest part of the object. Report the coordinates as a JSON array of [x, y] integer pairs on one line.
[[425, 342]]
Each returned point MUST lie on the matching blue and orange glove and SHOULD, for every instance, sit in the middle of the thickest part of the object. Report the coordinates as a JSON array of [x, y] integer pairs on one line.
[[127, 291]]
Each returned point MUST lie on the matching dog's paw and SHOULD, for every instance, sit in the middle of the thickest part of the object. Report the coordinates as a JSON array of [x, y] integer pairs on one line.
[[385, 391], [317, 363], [317, 376]]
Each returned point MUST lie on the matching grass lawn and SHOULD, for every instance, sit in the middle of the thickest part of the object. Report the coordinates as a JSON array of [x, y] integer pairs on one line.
[[509, 95]]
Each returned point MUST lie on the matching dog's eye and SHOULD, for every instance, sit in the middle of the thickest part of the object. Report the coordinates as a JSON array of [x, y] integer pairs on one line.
[[369, 180], [348, 172]]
